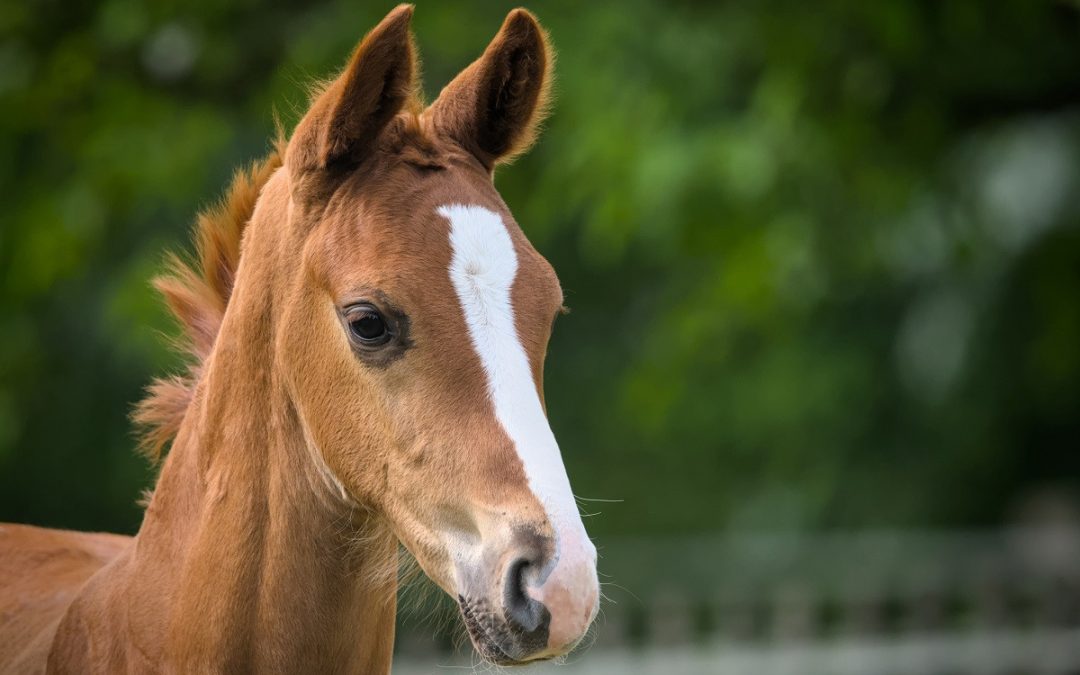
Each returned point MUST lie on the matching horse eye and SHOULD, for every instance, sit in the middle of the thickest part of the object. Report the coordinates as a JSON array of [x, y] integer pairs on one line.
[[367, 326]]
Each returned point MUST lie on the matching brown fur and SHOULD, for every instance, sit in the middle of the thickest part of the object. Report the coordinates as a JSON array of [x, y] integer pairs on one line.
[[40, 573], [298, 463]]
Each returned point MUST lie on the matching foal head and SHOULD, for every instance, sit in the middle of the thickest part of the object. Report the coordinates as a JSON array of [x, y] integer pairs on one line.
[[413, 327]]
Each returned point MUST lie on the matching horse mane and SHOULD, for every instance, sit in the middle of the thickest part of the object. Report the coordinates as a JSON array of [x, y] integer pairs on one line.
[[197, 293]]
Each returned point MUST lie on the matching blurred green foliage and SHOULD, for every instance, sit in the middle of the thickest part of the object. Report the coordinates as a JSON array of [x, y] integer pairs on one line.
[[823, 258]]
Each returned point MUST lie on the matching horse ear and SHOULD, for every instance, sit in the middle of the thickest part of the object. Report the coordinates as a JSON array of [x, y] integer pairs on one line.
[[494, 107], [350, 112]]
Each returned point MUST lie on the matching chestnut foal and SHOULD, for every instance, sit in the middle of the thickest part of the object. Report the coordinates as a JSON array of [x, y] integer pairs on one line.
[[368, 371]]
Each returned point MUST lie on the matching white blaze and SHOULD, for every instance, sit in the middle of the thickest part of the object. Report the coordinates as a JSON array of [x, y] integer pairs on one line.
[[482, 269]]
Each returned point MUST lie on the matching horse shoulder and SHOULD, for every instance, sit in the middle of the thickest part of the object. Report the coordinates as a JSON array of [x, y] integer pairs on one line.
[[42, 571]]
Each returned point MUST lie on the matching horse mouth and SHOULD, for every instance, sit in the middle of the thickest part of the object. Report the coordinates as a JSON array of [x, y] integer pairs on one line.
[[490, 635], [475, 618]]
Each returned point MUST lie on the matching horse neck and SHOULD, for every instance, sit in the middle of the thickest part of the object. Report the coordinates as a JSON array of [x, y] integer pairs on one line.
[[257, 560]]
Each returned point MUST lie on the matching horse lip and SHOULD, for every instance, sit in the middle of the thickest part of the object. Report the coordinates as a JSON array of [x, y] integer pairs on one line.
[[487, 646], [492, 650]]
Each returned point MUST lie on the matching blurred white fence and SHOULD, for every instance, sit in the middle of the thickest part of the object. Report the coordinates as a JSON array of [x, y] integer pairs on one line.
[[890, 603]]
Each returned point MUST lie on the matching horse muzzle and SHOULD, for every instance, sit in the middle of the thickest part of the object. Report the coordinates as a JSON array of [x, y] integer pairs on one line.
[[531, 598]]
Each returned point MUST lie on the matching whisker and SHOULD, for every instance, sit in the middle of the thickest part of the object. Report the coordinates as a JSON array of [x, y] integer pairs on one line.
[[599, 499], [623, 589]]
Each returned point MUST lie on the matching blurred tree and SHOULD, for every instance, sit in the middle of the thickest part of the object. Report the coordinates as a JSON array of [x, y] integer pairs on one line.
[[823, 259]]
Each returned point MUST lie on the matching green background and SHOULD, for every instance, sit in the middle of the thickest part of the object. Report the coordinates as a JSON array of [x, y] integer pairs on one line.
[[823, 259]]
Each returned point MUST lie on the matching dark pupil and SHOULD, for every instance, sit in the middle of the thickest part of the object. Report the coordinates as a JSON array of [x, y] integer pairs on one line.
[[370, 326]]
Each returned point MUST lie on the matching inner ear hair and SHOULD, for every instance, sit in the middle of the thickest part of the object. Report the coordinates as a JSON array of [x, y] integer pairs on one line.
[[511, 102]]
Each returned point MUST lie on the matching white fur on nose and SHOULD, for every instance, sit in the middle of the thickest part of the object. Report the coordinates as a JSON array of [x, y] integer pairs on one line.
[[482, 269]]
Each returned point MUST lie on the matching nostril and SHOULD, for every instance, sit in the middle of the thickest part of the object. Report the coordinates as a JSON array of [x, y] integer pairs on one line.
[[515, 582], [526, 615]]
